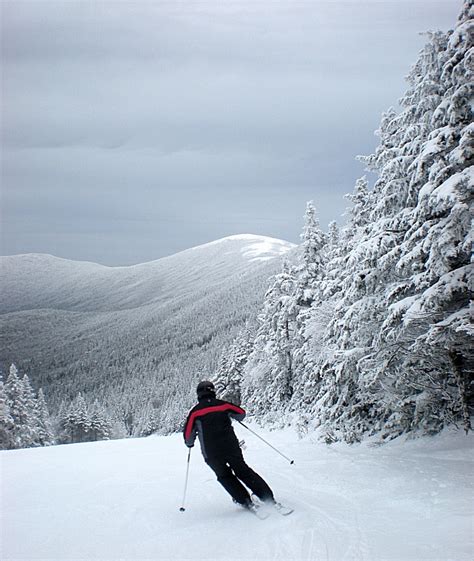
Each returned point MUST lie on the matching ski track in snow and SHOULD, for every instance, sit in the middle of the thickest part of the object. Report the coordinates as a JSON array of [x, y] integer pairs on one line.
[[405, 501]]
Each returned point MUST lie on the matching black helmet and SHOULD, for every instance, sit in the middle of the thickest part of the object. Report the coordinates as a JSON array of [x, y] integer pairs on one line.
[[205, 388]]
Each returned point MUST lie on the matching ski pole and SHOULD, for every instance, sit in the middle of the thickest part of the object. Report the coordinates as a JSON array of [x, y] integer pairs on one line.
[[181, 508], [268, 443]]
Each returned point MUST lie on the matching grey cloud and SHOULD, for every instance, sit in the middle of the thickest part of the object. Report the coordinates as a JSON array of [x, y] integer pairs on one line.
[[191, 121]]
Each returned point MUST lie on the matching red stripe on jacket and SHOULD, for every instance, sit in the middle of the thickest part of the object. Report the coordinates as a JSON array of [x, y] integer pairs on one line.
[[205, 411]]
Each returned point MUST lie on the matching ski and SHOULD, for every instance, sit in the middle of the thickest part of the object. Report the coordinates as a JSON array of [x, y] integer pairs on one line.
[[255, 508], [265, 506], [282, 509], [257, 511]]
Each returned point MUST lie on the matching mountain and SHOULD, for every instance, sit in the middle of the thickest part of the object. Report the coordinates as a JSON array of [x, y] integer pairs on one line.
[[35, 281], [136, 338]]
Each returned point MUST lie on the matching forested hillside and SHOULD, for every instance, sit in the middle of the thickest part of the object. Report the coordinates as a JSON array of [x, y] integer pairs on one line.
[[371, 330], [118, 350]]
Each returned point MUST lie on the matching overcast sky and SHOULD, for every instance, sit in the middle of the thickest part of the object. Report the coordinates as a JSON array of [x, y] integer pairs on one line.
[[133, 130]]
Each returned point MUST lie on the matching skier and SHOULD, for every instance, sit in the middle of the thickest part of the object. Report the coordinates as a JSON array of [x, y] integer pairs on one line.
[[210, 419]]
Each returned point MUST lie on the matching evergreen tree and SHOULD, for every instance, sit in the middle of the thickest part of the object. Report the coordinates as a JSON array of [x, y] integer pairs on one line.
[[311, 270], [76, 424], [100, 423], [30, 429], [429, 320], [333, 235], [380, 332], [6, 421], [24, 420], [45, 428], [361, 199], [14, 390], [231, 366], [271, 362], [152, 423]]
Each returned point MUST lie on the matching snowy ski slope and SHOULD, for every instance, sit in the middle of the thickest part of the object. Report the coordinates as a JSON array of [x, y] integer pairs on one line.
[[408, 500]]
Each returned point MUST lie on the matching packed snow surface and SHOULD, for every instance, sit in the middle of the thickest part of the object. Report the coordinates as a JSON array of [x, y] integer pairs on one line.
[[407, 500]]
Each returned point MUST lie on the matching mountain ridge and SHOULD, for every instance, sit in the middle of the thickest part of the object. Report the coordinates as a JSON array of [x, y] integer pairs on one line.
[[56, 279], [232, 237], [134, 337]]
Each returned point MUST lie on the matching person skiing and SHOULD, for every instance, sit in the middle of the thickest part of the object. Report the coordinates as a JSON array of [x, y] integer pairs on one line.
[[211, 421]]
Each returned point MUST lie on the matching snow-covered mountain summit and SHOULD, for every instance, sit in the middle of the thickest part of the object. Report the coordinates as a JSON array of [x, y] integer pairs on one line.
[[255, 248]]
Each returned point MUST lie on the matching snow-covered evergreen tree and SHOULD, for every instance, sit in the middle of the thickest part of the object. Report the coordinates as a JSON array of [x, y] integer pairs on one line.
[[152, 423], [429, 321], [269, 383], [24, 419], [45, 427], [6, 420], [311, 270], [381, 336], [17, 402], [31, 425], [76, 424], [388, 372], [81, 422], [274, 371], [100, 422], [231, 366]]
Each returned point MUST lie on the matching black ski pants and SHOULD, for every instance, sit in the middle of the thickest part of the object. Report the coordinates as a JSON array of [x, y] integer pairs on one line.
[[231, 470]]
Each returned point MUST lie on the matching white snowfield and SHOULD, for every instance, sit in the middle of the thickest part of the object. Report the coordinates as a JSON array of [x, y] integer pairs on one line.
[[407, 500], [38, 281]]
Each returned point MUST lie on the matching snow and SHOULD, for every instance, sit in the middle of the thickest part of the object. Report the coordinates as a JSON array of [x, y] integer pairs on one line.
[[456, 281], [451, 187], [255, 248], [433, 146], [406, 500], [34, 281], [265, 248], [461, 34], [402, 305]]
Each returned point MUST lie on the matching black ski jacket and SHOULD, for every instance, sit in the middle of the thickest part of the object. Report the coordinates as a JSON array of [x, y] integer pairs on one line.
[[211, 421]]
